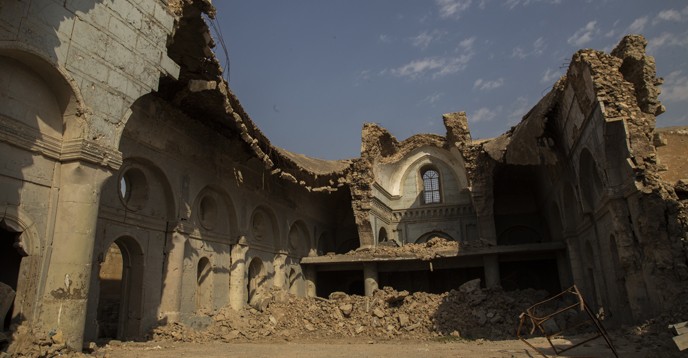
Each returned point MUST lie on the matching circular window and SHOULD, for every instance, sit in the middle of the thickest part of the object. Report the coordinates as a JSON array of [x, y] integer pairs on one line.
[[133, 189], [208, 212]]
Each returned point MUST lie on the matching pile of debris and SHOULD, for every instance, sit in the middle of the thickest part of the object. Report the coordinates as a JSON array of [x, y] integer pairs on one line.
[[29, 343], [434, 247], [469, 312]]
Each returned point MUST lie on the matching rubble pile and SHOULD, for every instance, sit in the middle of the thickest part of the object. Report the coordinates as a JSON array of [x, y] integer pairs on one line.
[[426, 250], [469, 312], [434, 247], [29, 343]]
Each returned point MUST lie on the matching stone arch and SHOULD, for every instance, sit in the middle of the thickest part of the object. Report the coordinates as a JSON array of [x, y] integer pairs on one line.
[[264, 230], [398, 172], [299, 239], [29, 242], [223, 220], [589, 180], [22, 243], [257, 278], [382, 235], [120, 281], [425, 162], [204, 285], [57, 79], [155, 197], [432, 234]]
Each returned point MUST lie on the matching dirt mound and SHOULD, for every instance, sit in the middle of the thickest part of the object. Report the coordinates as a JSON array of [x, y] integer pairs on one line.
[[469, 312]]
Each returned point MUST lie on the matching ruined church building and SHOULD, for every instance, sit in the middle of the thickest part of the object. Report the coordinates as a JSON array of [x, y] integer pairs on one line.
[[136, 191]]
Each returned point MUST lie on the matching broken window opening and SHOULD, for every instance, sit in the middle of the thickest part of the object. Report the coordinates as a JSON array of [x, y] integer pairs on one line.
[[431, 186]]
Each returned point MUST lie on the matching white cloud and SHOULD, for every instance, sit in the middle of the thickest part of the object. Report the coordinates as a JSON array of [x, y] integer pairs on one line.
[[584, 34], [638, 25], [432, 98], [383, 38], [452, 8], [519, 53], [467, 44], [537, 49], [675, 87], [432, 66], [485, 85], [484, 114], [362, 76], [511, 4], [550, 76], [517, 110], [424, 39], [668, 15], [667, 39]]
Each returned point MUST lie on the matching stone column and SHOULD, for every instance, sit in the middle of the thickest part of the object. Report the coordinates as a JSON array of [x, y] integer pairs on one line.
[[69, 271], [309, 275], [491, 265], [280, 264], [369, 278], [237, 275], [171, 300]]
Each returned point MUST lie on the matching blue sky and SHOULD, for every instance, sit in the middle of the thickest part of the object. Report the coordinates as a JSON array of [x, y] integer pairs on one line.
[[311, 72]]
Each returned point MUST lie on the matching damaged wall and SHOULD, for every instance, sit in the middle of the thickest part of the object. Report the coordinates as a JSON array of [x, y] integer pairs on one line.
[[589, 143]]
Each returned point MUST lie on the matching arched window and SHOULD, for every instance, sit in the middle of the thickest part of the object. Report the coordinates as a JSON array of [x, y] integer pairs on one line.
[[431, 186]]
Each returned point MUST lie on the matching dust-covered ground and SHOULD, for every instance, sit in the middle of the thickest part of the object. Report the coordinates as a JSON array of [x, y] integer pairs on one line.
[[350, 347]]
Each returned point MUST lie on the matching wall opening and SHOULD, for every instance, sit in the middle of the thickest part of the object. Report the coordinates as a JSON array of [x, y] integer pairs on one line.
[[204, 288], [348, 281], [431, 186], [517, 213], [120, 279], [256, 278], [436, 281], [10, 262], [541, 274], [382, 235], [110, 298]]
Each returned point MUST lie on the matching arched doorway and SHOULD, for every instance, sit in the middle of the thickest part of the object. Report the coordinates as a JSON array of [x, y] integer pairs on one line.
[[10, 262], [204, 285], [120, 280], [256, 278]]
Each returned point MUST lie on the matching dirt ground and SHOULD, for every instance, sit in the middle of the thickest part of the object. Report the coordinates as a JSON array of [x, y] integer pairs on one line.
[[392, 348]]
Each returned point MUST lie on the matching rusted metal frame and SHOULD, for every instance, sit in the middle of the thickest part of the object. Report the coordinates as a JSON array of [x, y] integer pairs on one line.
[[602, 330], [537, 323]]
